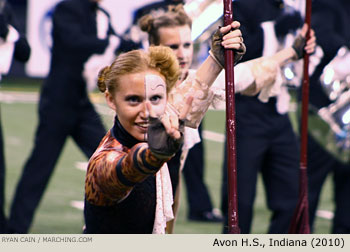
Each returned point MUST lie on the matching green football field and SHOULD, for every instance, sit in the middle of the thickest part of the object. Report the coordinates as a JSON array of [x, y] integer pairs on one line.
[[59, 210]]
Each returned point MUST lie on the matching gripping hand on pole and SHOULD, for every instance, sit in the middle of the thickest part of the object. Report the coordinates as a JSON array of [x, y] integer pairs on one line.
[[227, 37], [301, 45]]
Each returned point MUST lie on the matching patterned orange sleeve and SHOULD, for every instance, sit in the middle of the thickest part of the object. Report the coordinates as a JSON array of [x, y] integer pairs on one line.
[[113, 172]]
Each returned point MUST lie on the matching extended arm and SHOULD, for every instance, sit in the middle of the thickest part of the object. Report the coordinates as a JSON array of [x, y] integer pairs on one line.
[[198, 85], [112, 174]]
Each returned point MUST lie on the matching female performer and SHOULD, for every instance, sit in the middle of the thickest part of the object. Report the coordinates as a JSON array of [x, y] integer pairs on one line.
[[128, 187], [259, 76]]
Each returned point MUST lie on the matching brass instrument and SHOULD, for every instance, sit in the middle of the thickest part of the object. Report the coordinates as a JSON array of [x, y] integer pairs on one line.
[[335, 81], [329, 126]]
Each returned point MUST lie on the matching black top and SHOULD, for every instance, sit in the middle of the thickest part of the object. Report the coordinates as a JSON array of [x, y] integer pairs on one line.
[[22, 48], [133, 215], [251, 13], [129, 216], [251, 17], [75, 39]]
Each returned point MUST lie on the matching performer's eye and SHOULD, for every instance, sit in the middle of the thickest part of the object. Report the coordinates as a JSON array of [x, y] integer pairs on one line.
[[133, 99], [187, 45], [174, 47], [155, 99]]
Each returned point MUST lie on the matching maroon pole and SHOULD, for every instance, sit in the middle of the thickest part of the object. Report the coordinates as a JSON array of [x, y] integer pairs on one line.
[[300, 221], [231, 130], [305, 94]]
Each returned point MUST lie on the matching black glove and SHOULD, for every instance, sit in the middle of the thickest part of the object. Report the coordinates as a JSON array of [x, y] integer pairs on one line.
[[287, 22], [299, 45], [4, 30], [160, 143], [218, 51]]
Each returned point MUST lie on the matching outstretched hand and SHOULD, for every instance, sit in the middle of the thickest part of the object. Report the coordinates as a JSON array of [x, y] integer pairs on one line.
[[173, 123], [165, 134]]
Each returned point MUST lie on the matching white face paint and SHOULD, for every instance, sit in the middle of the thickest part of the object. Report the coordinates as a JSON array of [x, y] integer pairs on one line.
[[178, 38], [129, 100], [155, 89]]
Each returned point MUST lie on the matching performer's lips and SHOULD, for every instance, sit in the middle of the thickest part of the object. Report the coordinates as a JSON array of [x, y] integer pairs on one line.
[[182, 64], [143, 126]]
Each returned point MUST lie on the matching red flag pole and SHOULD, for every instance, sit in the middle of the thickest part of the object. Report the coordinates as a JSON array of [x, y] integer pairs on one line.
[[300, 221], [231, 130]]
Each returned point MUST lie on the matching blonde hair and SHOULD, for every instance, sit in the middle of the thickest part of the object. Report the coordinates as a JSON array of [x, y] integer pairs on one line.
[[159, 58], [175, 16]]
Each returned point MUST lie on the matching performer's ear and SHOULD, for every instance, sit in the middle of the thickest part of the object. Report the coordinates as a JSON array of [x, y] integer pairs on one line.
[[110, 101]]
